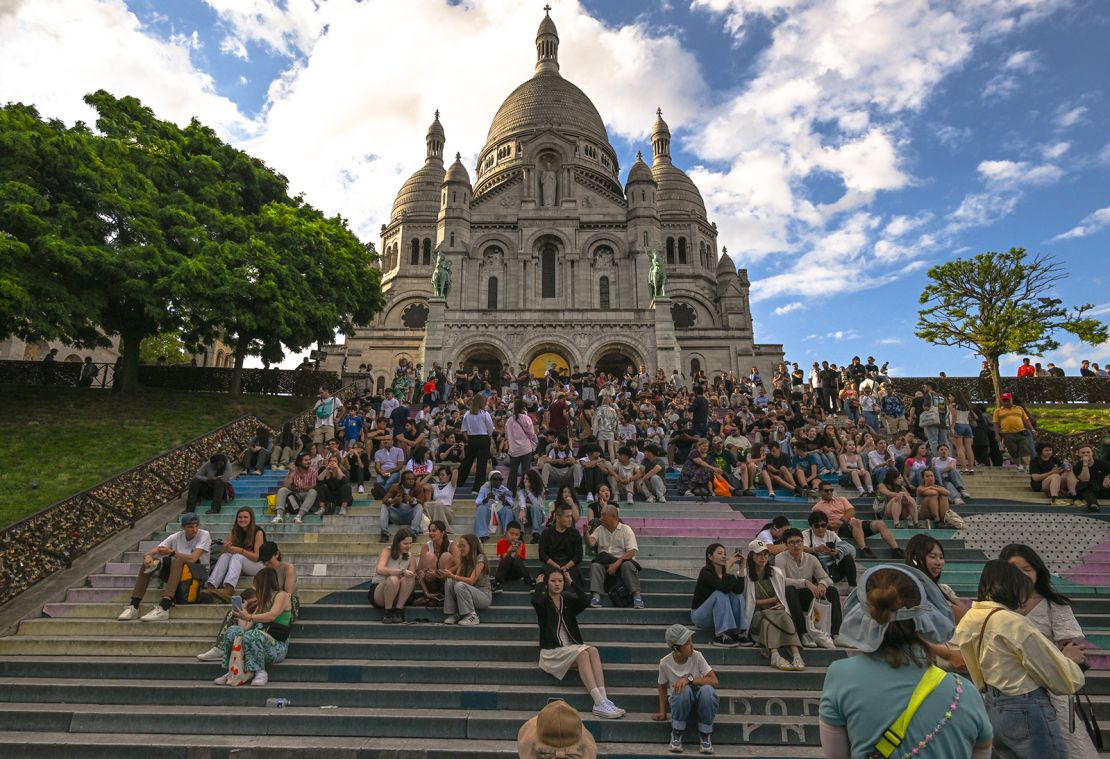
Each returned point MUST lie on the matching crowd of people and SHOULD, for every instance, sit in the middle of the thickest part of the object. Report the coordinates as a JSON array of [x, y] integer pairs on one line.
[[551, 460]]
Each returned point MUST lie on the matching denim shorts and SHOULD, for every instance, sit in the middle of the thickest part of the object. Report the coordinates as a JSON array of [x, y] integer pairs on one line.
[[964, 430]]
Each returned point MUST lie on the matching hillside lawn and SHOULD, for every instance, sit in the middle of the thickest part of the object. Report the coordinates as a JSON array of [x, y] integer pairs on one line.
[[68, 439], [1068, 421]]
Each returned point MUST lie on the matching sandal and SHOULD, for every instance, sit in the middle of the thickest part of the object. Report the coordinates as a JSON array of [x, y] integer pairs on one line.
[[419, 602]]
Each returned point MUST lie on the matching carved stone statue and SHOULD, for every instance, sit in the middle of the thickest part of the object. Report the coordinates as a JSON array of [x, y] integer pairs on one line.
[[547, 186], [657, 275], [441, 276]]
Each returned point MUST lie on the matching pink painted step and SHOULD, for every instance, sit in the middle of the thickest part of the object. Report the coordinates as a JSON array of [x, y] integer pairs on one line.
[[730, 531]]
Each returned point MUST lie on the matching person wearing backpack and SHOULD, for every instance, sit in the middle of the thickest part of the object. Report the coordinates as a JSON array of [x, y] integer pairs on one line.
[[189, 546], [325, 412], [616, 557], [891, 700], [934, 417]]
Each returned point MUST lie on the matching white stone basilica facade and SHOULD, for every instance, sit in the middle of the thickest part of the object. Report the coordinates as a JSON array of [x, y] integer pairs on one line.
[[549, 254]]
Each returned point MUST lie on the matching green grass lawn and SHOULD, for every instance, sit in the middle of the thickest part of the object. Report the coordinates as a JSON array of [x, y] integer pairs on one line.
[[67, 439], [1067, 421]]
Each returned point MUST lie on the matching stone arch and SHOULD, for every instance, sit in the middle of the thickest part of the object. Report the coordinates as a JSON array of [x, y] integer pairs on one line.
[[486, 354], [426, 257], [695, 362], [72, 358], [706, 308], [550, 343], [597, 239], [414, 257], [379, 384], [478, 246], [533, 242], [608, 346], [474, 344]]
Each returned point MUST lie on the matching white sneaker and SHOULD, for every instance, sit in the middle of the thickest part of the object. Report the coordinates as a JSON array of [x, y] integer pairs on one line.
[[628, 503], [824, 640], [213, 654], [128, 614], [589, 497], [650, 499], [343, 511], [221, 680], [608, 710], [470, 619], [260, 677], [362, 488], [452, 619], [277, 520], [662, 499], [157, 614], [297, 519]]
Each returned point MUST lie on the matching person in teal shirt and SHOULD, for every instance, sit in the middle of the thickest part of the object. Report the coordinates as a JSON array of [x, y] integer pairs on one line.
[[893, 610]]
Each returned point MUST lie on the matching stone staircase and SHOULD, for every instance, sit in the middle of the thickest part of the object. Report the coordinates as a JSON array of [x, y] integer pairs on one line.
[[75, 682]]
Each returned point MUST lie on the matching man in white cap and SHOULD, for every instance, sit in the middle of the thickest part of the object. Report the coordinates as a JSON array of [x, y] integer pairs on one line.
[[688, 685]]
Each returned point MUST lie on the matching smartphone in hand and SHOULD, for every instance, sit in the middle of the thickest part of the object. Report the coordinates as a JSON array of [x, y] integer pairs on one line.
[[237, 603]]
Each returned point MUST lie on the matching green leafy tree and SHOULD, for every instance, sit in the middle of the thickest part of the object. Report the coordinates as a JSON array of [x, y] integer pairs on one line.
[[1001, 303], [167, 345]]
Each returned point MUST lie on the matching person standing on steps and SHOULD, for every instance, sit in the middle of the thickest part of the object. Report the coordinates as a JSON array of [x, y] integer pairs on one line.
[[394, 577], [190, 545], [477, 424], [688, 685], [522, 441], [842, 519], [558, 603], [300, 485], [718, 602], [212, 480], [325, 412]]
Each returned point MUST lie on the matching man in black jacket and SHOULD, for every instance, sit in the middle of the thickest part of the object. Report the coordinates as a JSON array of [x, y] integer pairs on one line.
[[561, 546]]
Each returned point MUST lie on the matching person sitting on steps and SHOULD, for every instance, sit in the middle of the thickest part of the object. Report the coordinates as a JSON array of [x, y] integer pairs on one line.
[[333, 481], [493, 497], [765, 610], [687, 684], [530, 503], [511, 554], [258, 451], [394, 577], [403, 504], [718, 602], [299, 486], [467, 590], [441, 506], [437, 557], [806, 581], [212, 480], [389, 461], [895, 494], [837, 556], [190, 545], [616, 557], [239, 557], [561, 545], [842, 518], [264, 635], [558, 603]]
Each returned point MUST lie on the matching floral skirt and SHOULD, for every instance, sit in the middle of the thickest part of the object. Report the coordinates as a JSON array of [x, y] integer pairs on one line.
[[259, 649]]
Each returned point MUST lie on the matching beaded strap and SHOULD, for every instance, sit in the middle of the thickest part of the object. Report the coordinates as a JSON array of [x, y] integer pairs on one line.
[[948, 714]]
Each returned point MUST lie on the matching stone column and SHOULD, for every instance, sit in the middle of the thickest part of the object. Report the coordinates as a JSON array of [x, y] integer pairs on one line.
[[668, 356], [431, 349]]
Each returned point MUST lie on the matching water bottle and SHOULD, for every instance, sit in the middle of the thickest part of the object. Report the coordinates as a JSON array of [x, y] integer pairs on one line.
[[277, 703]]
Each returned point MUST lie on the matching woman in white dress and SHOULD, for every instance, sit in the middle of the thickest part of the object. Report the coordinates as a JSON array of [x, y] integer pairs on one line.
[[558, 603], [1050, 612]]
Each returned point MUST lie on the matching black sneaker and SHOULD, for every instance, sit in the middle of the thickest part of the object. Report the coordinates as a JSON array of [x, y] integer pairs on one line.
[[497, 588], [388, 618], [897, 553], [725, 641], [535, 537], [744, 640], [398, 616], [385, 536], [866, 553]]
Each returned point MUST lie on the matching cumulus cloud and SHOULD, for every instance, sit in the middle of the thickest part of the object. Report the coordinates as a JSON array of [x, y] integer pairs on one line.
[[1012, 173], [1005, 83], [1093, 222], [286, 28], [54, 54], [789, 308]]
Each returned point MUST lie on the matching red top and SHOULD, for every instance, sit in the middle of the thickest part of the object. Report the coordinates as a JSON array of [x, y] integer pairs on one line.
[[503, 548]]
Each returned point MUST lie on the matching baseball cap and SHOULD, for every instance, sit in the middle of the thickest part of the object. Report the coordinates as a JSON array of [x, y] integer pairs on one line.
[[677, 635], [189, 518], [1007, 396], [495, 475], [757, 546]]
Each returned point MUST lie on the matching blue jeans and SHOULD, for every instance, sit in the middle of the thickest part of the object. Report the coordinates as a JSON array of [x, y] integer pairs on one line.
[[481, 518], [702, 698], [724, 612], [1025, 726], [937, 435], [388, 482], [402, 515], [535, 519], [953, 482], [872, 419]]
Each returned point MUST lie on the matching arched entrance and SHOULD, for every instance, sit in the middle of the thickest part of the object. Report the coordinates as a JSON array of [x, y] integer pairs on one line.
[[615, 361], [540, 364], [488, 364]]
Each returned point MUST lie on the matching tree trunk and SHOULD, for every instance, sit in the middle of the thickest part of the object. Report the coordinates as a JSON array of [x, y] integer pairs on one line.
[[996, 381], [126, 379], [237, 372]]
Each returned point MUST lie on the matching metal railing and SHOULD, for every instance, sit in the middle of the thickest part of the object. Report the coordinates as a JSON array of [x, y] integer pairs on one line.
[[1032, 390]]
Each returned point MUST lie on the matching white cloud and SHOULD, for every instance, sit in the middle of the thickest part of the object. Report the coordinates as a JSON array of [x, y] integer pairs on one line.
[[1100, 310], [982, 208], [1104, 155], [286, 28], [837, 336], [951, 136], [1055, 150], [1014, 173], [1068, 117], [56, 52], [231, 45], [1093, 222], [890, 341], [1022, 60], [901, 225], [789, 308]]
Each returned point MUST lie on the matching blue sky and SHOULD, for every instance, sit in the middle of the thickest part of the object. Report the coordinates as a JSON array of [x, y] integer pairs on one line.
[[842, 146]]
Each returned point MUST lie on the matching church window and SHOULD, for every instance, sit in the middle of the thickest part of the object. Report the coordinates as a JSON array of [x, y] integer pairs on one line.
[[414, 259], [695, 366], [454, 196], [452, 239], [683, 315], [645, 239], [547, 273], [682, 250], [643, 196], [670, 250], [415, 316], [427, 251], [380, 385], [491, 294], [603, 293]]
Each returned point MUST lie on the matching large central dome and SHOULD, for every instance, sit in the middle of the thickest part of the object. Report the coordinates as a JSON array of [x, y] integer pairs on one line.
[[548, 101]]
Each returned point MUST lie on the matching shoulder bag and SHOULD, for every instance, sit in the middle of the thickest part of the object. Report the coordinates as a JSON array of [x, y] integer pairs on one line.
[[893, 735]]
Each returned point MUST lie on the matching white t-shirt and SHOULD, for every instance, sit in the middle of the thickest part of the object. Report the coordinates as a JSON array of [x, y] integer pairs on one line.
[[670, 671], [940, 465], [178, 542], [324, 411], [443, 493], [419, 468]]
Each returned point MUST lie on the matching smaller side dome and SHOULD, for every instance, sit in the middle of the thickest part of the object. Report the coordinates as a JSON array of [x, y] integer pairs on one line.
[[726, 267], [640, 172], [457, 173]]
